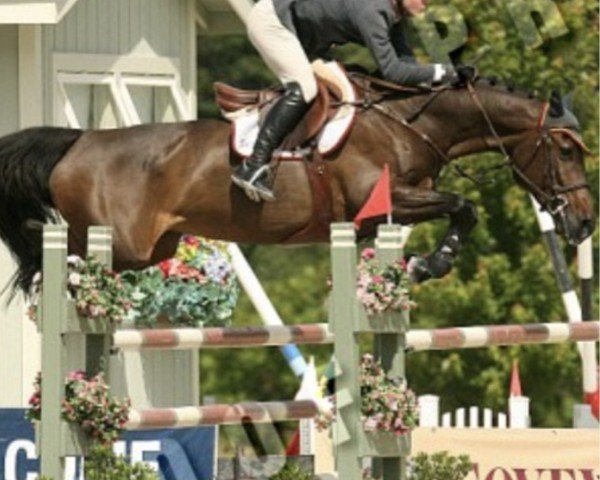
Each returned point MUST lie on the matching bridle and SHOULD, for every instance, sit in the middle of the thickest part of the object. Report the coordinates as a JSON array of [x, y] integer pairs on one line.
[[554, 202]]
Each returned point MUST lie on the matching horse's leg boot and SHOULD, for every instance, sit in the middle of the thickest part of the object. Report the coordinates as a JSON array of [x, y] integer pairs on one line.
[[255, 175], [418, 269]]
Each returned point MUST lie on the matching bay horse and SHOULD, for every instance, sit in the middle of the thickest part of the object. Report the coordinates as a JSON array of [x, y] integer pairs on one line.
[[152, 183]]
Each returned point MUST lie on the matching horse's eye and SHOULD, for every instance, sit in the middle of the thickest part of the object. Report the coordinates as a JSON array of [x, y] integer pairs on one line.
[[565, 153]]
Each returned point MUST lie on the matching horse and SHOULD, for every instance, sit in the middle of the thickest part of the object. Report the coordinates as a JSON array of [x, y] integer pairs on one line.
[[153, 183]]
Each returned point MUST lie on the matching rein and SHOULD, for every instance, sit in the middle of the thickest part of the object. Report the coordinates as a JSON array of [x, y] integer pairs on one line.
[[376, 102]]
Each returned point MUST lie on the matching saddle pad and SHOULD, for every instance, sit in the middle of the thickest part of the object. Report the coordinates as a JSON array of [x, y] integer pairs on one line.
[[246, 121]]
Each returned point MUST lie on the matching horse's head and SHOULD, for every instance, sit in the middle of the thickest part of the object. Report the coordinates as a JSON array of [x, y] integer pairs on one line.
[[550, 165]]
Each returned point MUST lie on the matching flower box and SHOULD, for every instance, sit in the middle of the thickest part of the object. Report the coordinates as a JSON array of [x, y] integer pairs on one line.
[[384, 444], [76, 323], [386, 322]]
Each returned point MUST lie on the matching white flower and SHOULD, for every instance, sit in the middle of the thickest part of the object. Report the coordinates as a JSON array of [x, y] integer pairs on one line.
[[74, 279], [137, 295], [74, 260]]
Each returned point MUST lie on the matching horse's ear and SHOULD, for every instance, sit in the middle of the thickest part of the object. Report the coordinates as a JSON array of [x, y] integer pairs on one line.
[[556, 106], [567, 101]]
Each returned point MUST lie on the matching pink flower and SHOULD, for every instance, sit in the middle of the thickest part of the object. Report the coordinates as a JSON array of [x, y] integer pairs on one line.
[[368, 254], [76, 375], [191, 240]]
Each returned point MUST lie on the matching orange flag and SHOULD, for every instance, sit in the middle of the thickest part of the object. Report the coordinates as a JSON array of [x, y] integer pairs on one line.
[[380, 200], [515, 381]]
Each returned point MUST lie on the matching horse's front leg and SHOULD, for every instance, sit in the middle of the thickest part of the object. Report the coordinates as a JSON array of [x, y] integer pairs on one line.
[[415, 205]]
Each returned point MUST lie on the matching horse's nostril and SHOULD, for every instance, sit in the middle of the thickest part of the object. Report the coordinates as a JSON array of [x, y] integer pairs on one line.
[[587, 228]]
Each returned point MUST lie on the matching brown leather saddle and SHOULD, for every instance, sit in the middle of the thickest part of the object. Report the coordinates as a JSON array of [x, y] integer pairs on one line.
[[231, 99]]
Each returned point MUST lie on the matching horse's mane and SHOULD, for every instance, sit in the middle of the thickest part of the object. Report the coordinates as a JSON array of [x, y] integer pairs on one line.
[[510, 87]]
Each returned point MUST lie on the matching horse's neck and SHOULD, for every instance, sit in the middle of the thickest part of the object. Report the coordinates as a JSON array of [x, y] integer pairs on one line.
[[456, 123]]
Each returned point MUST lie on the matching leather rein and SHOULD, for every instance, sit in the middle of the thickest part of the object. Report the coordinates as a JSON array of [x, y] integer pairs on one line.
[[554, 202]]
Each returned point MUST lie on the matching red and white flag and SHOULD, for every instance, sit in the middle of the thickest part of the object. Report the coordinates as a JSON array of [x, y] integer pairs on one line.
[[379, 202], [515, 381]]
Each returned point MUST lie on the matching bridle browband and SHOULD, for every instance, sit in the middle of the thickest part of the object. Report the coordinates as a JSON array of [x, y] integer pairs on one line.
[[554, 202]]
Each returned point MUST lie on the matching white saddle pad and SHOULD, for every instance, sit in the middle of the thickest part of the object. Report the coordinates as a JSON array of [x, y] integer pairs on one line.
[[246, 127]]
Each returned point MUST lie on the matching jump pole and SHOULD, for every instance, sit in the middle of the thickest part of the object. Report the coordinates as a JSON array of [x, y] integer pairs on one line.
[[319, 333], [587, 350]]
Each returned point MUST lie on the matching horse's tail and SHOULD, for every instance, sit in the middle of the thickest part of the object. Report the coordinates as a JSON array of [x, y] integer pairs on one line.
[[27, 159]]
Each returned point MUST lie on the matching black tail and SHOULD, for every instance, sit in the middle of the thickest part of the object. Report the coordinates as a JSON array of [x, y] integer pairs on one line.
[[27, 159]]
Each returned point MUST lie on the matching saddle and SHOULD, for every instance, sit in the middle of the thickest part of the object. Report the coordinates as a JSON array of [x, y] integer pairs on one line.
[[327, 117]]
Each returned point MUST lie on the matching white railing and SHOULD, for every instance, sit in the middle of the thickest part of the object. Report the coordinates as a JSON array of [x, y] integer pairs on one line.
[[517, 417]]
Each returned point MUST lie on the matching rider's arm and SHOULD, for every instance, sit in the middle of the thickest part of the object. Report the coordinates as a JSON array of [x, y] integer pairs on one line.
[[376, 30]]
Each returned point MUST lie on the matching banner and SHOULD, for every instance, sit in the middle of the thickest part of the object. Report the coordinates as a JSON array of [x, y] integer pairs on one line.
[[179, 454], [518, 454]]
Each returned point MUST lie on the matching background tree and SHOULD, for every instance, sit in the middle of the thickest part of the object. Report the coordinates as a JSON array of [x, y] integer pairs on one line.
[[503, 275]]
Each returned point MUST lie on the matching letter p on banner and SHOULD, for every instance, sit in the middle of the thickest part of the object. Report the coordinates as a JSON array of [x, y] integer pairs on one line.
[[455, 36], [522, 13]]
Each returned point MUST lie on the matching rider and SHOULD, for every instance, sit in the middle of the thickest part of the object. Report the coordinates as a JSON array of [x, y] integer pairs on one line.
[[287, 32]]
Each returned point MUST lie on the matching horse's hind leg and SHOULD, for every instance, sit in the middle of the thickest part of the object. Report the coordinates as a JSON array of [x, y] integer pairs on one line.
[[165, 247], [414, 205]]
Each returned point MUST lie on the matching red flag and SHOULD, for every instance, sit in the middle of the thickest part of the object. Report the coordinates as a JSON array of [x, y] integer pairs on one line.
[[515, 381], [593, 399], [380, 200]]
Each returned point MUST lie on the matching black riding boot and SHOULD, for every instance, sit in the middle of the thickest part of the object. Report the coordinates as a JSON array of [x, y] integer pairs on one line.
[[255, 175]]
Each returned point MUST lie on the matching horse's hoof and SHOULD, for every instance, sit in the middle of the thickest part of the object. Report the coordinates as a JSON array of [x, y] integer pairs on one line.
[[418, 269]]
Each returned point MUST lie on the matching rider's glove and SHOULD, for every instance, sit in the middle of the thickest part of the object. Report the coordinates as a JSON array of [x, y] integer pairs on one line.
[[466, 73], [447, 74]]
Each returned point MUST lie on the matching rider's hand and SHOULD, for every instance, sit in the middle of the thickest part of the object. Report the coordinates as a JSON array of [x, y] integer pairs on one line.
[[456, 76], [466, 73], [445, 74]]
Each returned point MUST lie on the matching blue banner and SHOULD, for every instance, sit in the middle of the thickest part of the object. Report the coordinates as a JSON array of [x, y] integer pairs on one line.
[[179, 454]]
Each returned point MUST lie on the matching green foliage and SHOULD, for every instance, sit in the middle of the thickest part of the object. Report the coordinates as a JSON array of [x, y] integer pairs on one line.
[[103, 464], [291, 471], [439, 466]]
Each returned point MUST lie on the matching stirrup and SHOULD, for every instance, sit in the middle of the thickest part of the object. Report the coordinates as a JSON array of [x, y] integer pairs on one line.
[[253, 187]]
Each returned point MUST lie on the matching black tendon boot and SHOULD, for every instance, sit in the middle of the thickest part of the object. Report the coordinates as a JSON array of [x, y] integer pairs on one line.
[[254, 175]]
